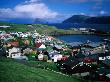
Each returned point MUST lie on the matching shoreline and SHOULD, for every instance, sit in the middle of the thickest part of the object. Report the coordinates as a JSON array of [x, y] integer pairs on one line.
[[102, 35]]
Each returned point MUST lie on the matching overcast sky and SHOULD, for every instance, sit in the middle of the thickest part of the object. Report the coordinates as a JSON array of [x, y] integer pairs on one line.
[[52, 9]]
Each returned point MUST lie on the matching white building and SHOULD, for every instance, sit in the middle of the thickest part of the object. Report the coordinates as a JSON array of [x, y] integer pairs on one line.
[[14, 52], [4, 26]]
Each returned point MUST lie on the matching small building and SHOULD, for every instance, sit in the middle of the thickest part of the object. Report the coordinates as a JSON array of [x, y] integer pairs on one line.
[[40, 57], [13, 43], [106, 62], [40, 46], [4, 26], [82, 29], [101, 75], [104, 56], [55, 56], [14, 52], [89, 61], [57, 48]]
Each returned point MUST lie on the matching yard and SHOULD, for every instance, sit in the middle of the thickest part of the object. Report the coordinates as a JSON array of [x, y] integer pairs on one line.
[[11, 71]]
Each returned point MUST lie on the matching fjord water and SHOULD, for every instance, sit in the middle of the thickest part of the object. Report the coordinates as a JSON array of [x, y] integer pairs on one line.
[[80, 38]]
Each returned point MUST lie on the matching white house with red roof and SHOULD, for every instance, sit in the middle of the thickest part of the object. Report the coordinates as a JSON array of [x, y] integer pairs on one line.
[[40, 45]]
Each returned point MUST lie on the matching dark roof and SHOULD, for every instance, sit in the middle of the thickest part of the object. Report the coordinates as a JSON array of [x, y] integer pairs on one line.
[[72, 61], [93, 56], [87, 46], [2, 51], [103, 71], [103, 54], [79, 55], [76, 47], [107, 62]]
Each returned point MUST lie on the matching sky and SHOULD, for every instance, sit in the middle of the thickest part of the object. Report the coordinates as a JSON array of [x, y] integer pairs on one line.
[[52, 10]]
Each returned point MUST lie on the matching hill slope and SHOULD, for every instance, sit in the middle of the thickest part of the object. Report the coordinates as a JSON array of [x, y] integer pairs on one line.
[[88, 19], [98, 20], [76, 19], [11, 71]]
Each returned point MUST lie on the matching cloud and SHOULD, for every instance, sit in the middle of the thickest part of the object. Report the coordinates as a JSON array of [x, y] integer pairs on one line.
[[8, 13], [102, 12], [82, 14], [29, 9]]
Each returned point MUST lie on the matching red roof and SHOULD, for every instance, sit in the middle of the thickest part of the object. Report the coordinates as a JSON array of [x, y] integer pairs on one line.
[[37, 45], [89, 60], [64, 58], [14, 43]]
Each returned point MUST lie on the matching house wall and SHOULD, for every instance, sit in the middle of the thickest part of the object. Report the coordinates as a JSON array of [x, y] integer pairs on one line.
[[14, 50], [15, 55]]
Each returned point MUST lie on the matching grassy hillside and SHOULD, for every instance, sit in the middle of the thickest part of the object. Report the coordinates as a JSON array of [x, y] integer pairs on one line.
[[11, 71], [52, 30], [42, 29]]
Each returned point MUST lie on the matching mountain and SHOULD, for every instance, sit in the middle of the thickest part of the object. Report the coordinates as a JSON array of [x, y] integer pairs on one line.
[[98, 20], [76, 19], [88, 19]]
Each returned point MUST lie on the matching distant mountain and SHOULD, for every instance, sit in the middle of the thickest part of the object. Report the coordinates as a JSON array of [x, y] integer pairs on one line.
[[88, 19], [98, 20], [76, 19]]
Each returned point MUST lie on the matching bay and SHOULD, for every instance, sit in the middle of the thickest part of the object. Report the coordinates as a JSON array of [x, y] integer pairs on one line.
[[80, 38]]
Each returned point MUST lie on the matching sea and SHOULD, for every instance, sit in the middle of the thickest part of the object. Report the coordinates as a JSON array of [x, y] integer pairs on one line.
[[82, 38], [75, 40]]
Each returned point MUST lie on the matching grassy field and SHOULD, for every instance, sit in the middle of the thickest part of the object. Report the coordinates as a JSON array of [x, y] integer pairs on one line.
[[42, 29], [11, 71]]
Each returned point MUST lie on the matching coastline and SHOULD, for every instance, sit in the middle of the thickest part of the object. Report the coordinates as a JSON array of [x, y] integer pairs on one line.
[[102, 35]]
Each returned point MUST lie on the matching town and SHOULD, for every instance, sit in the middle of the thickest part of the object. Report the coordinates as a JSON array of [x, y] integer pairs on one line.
[[88, 61]]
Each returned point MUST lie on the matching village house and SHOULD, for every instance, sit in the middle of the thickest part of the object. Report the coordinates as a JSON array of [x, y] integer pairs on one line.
[[57, 47], [15, 53], [76, 67], [100, 49], [4, 26], [35, 34], [85, 30], [26, 51], [55, 56], [40, 56], [102, 74], [13, 43], [40, 46], [88, 60], [106, 62]]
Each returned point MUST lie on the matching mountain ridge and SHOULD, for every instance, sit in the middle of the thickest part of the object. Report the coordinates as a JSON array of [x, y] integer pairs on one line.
[[88, 19]]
